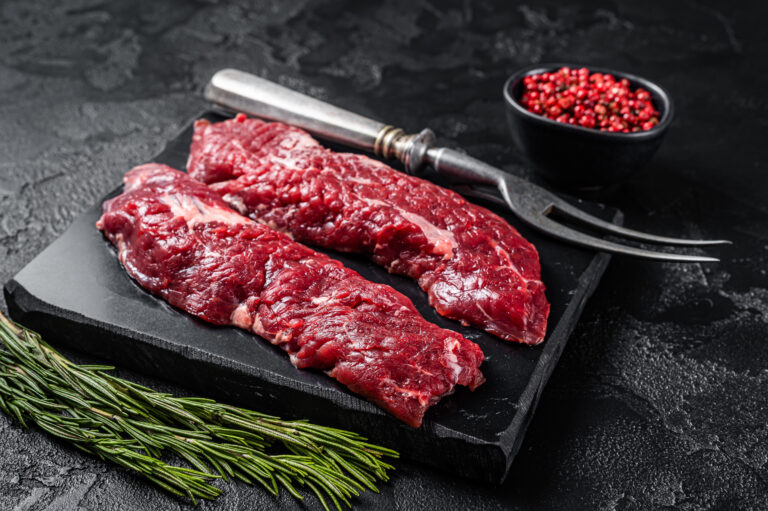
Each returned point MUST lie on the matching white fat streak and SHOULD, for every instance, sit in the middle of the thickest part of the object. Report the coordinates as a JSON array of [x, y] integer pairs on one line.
[[254, 324], [282, 337], [450, 360], [257, 327], [451, 345], [442, 241], [361, 181], [241, 317], [293, 141], [485, 313], [236, 202], [321, 300], [504, 255], [272, 225], [122, 248], [421, 396], [135, 180], [194, 211]]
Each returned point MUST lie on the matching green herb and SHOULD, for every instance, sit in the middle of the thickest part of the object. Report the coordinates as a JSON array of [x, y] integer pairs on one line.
[[132, 426]]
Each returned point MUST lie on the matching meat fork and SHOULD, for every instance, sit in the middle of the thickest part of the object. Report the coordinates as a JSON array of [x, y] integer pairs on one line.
[[243, 92]]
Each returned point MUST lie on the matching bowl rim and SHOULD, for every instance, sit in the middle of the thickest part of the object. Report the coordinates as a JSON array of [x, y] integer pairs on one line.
[[654, 88]]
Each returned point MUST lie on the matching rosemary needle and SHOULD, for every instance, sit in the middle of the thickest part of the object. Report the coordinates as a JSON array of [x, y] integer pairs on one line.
[[132, 426]]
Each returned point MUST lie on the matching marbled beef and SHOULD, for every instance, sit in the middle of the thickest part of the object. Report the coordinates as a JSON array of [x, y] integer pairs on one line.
[[474, 266], [180, 241]]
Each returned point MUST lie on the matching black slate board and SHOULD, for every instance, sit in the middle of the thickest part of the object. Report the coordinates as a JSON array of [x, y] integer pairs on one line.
[[77, 295]]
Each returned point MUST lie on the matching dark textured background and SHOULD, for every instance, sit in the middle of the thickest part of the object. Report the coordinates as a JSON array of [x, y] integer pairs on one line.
[[661, 397]]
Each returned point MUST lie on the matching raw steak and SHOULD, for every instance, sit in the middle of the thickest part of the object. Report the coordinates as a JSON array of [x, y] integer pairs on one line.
[[180, 241], [474, 266]]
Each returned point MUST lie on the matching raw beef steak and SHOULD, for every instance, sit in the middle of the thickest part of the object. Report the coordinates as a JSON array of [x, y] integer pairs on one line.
[[180, 241], [474, 266]]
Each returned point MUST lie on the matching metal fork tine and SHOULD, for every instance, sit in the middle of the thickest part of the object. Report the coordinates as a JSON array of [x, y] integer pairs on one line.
[[562, 232], [575, 213], [541, 221]]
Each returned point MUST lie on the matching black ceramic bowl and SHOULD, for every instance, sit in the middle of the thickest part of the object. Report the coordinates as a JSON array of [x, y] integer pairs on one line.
[[579, 157]]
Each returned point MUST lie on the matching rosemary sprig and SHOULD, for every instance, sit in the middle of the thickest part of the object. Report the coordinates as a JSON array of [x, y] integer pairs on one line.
[[132, 425]]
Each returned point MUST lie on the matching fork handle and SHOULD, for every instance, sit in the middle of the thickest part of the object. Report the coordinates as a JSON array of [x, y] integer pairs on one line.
[[461, 167], [244, 92]]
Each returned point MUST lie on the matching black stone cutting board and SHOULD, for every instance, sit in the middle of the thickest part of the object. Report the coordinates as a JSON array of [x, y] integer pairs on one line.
[[76, 294]]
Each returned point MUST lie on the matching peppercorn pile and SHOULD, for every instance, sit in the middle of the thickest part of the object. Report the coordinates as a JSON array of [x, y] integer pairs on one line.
[[591, 100]]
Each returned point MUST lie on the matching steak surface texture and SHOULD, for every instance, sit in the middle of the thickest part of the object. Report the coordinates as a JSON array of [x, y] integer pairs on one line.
[[473, 265], [179, 240]]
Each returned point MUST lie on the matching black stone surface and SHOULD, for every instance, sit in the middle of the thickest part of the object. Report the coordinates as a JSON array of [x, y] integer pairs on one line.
[[77, 295], [660, 398]]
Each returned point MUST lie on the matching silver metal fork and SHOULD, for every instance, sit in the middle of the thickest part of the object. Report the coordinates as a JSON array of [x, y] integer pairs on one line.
[[243, 92]]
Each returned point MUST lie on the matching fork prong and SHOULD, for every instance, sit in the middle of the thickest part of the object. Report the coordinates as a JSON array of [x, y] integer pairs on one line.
[[565, 233], [575, 213], [536, 218]]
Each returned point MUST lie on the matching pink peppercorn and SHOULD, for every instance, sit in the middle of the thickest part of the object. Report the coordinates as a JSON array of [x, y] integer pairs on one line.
[[595, 100]]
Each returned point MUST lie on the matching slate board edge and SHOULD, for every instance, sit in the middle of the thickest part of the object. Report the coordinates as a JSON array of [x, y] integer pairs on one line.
[[552, 351]]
